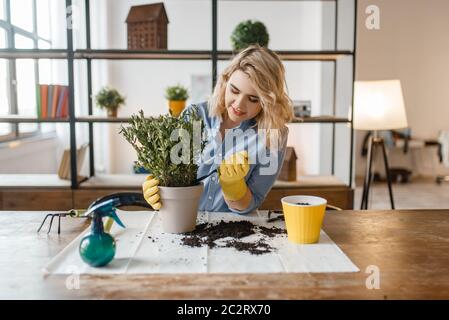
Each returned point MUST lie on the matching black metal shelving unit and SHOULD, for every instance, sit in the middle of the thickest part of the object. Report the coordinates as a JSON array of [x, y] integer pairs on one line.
[[214, 55]]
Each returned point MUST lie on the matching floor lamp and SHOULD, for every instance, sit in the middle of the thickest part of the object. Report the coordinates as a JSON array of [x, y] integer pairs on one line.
[[378, 105]]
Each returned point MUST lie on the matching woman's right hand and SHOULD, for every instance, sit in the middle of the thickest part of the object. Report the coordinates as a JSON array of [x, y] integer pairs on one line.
[[151, 192]]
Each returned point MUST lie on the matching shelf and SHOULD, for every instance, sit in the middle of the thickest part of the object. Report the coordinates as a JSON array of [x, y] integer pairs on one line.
[[99, 119], [280, 0], [92, 119], [33, 54], [124, 54], [202, 55], [48, 192], [299, 55], [321, 119], [311, 181], [134, 181], [114, 181], [24, 119], [29, 180], [313, 119]]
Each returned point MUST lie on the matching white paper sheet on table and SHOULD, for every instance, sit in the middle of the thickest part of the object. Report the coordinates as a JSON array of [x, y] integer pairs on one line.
[[139, 254]]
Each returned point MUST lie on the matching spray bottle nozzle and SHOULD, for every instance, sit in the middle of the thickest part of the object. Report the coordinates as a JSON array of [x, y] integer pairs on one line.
[[105, 209]]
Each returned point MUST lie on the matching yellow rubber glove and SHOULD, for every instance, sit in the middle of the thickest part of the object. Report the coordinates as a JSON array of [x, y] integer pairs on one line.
[[151, 192], [231, 175]]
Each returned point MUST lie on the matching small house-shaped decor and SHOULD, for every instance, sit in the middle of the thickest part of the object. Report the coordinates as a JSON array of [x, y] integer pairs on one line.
[[288, 170], [147, 27]]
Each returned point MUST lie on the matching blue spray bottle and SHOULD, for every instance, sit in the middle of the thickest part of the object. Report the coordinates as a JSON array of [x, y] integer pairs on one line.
[[98, 248]]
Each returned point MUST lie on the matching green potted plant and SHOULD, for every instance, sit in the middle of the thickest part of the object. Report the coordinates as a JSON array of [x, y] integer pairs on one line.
[[249, 32], [109, 99], [168, 147], [176, 96]]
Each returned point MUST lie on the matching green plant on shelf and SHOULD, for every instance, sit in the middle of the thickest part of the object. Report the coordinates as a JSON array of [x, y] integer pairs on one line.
[[109, 99], [176, 93], [176, 96], [249, 32], [156, 142]]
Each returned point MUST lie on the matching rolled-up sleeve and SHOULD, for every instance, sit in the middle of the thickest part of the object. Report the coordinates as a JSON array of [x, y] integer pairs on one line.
[[260, 183]]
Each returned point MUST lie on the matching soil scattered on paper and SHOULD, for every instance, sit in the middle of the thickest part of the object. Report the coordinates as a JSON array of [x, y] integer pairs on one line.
[[271, 232], [258, 247], [230, 234]]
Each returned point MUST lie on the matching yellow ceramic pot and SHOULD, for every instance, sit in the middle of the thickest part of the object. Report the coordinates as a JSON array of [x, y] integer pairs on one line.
[[176, 107], [303, 218]]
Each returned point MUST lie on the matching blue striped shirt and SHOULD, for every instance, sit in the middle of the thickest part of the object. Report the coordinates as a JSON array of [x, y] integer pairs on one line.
[[264, 166]]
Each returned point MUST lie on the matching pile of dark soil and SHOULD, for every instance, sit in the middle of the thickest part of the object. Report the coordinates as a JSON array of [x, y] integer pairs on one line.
[[208, 234]]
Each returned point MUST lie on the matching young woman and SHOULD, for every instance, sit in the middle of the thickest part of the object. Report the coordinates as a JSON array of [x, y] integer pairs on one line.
[[246, 120]]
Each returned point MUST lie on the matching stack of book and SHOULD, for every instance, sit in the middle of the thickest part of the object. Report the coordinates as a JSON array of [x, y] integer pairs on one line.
[[52, 101]]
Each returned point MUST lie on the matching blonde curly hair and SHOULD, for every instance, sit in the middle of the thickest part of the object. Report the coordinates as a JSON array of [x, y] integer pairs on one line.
[[267, 74]]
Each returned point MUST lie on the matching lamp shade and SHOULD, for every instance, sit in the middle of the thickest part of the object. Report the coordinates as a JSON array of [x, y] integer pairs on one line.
[[379, 105]]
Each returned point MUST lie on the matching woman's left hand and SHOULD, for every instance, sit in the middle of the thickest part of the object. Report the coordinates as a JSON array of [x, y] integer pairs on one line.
[[231, 174]]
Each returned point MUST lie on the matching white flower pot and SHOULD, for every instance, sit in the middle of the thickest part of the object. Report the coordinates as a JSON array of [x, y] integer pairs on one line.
[[179, 208]]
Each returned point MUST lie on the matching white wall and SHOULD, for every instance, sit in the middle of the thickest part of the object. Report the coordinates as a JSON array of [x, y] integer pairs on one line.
[[412, 45]]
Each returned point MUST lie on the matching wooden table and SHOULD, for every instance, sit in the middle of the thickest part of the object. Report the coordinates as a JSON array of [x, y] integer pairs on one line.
[[410, 248]]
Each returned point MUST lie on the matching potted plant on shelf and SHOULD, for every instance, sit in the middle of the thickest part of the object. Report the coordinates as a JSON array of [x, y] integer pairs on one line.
[[169, 147], [176, 96], [109, 99], [249, 32]]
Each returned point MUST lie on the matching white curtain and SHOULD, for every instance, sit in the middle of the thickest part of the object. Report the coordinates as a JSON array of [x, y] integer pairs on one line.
[[99, 76]]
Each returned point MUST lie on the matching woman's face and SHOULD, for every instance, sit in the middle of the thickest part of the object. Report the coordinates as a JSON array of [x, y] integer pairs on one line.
[[241, 99]]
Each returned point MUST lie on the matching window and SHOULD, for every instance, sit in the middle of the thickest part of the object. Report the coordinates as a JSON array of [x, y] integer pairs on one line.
[[2, 10], [26, 103], [22, 42], [24, 24], [2, 37], [22, 14], [5, 128], [43, 20]]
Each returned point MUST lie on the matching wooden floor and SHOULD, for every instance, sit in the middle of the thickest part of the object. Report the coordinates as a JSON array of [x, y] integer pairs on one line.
[[418, 194]]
